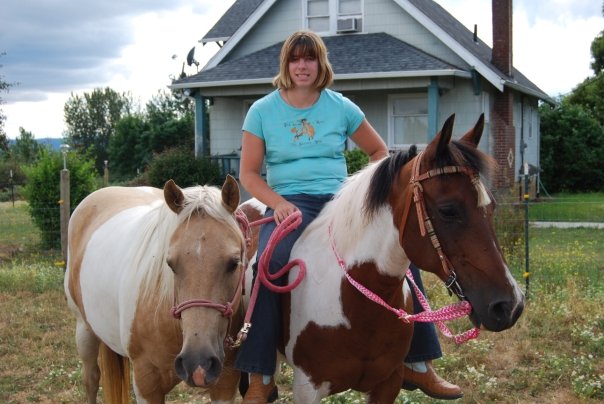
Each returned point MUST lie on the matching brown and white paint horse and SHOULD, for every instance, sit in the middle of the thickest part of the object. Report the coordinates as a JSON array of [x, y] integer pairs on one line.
[[134, 253], [335, 338]]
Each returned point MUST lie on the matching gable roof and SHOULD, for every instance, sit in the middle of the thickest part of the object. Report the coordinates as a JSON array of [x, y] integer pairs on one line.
[[234, 18], [243, 14], [383, 56]]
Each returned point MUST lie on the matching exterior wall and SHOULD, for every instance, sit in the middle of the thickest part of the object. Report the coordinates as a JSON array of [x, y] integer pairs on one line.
[[226, 120], [284, 17], [387, 16], [526, 123]]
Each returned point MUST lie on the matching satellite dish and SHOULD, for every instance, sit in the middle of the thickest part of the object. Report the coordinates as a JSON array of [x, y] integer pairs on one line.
[[191, 58]]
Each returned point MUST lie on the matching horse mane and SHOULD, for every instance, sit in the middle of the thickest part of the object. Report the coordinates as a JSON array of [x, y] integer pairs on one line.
[[157, 282], [457, 153]]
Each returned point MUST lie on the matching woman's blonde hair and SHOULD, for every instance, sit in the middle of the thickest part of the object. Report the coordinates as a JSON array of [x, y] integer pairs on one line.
[[304, 44]]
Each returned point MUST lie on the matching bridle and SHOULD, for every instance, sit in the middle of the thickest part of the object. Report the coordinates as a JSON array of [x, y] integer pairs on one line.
[[225, 309], [425, 224]]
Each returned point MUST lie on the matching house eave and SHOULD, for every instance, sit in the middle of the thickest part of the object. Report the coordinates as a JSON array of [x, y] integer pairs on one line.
[[491, 76], [531, 92], [240, 33], [337, 77]]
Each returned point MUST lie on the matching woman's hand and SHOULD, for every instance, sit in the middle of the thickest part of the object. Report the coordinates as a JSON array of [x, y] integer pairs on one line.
[[282, 210]]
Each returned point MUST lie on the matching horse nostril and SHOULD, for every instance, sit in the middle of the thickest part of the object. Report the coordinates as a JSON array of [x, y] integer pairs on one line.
[[179, 367], [214, 366], [502, 313]]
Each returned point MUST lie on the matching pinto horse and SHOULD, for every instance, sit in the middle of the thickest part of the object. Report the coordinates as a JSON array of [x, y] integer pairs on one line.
[[135, 253], [431, 209]]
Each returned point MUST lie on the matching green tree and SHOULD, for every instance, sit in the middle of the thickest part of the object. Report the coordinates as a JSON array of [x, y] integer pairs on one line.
[[127, 153], [181, 165], [91, 120], [572, 149], [43, 190], [597, 53], [26, 149], [167, 123]]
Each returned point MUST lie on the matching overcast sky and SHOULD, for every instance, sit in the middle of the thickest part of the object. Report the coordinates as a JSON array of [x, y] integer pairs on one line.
[[61, 47]]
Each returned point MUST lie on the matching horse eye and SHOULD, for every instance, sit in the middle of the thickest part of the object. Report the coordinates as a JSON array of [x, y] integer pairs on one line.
[[449, 212], [233, 264]]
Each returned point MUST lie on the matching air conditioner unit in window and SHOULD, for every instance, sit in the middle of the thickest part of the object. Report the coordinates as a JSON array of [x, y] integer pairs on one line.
[[348, 25]]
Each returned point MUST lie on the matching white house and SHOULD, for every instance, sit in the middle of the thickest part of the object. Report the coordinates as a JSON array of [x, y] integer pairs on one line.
[[408, 64]]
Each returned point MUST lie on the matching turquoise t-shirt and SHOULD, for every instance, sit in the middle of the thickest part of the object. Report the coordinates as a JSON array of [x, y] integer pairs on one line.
[[304, 148]]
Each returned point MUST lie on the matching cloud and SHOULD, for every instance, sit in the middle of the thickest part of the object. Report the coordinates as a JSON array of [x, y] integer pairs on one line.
[[65, 45]]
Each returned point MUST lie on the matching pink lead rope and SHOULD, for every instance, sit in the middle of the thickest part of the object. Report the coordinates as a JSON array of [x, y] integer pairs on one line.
[[446, 313], [289, 224]]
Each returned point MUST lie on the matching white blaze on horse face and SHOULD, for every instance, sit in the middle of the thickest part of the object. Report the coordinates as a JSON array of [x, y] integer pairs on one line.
[[109, 292]]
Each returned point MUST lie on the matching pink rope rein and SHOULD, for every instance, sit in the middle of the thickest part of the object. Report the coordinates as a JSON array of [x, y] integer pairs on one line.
[[446, 313], [289, 224]]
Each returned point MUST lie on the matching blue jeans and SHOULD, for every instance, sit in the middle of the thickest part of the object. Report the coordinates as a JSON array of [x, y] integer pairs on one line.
[[424, 344], [258, 353]]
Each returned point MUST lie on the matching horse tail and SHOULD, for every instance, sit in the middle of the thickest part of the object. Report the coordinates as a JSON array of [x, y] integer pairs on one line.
[[115, 376]]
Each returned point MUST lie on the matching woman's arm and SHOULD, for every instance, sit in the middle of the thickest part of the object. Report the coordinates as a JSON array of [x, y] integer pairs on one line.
[[370, 141], [250, 166]]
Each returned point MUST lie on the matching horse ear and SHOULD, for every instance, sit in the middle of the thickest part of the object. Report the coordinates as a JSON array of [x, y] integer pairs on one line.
[[174, 197], [230, 193], [474, 134], [442, 139]]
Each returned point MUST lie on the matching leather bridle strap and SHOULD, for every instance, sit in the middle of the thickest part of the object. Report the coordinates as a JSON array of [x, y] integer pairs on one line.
[[425, 224]]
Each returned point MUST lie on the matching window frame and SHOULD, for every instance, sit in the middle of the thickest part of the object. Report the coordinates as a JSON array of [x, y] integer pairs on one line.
[[333, 7], [392, 98]]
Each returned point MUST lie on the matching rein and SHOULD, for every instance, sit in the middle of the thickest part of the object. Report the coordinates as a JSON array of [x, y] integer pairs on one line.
[[446, 313], [289, 224]]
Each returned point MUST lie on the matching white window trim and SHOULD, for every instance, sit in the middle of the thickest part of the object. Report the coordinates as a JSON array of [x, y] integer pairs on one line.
[[333, 17], [404, 146]]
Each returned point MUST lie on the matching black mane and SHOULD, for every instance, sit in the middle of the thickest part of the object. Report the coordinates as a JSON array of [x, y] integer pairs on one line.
[[383, 177], [458, 153]]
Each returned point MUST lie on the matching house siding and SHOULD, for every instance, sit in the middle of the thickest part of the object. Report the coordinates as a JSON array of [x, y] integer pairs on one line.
[[282, 19], [226, 120], [387, 16]]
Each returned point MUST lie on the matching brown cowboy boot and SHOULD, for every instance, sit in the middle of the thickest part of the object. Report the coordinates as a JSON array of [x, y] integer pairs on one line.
[[258, 392], [431, 384]]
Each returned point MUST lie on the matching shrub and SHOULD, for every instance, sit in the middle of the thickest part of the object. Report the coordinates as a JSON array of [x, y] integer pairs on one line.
[[43, 191], [181, 166], [355, 160]]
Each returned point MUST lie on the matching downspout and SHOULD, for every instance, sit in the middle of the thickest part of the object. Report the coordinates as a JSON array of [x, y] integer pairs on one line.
[[433, 93]]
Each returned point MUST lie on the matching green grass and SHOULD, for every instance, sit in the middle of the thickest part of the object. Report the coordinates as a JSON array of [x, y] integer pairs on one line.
[[569, 208], [554, 354], [16, 224]]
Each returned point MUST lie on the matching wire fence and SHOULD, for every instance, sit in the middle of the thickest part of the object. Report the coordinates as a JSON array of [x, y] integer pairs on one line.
[[514, 223]]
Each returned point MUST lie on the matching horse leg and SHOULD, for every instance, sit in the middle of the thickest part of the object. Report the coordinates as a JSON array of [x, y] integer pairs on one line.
[[226, 387], [304, 391], [388, 390], [88, 348]]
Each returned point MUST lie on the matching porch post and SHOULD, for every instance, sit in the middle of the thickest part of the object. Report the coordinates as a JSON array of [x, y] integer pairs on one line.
[[432, 108], [202, 138]]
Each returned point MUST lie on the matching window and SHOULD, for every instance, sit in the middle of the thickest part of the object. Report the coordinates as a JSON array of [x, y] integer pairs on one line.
[[322, 16], [408, 120]]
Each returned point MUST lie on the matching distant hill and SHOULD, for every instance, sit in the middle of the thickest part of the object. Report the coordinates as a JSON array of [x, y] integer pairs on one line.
[[53, 142]]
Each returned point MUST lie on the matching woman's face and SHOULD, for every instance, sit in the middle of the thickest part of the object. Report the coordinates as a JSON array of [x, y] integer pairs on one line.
[[303, 70]]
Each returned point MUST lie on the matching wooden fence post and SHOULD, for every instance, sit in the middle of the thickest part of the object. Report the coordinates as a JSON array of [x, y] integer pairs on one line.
[[65, 211]]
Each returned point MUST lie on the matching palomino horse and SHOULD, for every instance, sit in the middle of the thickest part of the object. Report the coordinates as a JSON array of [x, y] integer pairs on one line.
[[431, 209], [135, 253]]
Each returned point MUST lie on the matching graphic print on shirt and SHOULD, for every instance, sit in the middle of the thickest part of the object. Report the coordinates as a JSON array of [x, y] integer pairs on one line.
[[302, 128]]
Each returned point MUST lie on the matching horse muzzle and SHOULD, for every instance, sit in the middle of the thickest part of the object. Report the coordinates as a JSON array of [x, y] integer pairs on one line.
[[198, 370], [498, 314]]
